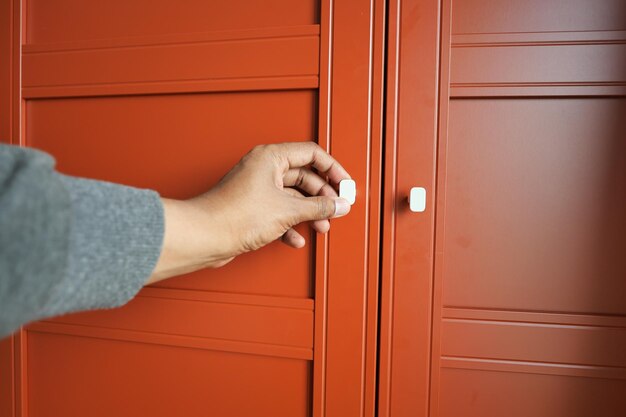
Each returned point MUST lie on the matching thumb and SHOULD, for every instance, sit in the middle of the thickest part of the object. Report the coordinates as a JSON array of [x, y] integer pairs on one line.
[[320, 208]]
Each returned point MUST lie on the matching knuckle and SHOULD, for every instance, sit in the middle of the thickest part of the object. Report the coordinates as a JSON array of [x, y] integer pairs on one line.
[[315, 149], [259, 149], [256, 153], [313, 145], [300, 178], [324, 207]]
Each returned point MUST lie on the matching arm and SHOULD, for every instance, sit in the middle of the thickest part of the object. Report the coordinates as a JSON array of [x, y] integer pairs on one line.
[[70, 244]]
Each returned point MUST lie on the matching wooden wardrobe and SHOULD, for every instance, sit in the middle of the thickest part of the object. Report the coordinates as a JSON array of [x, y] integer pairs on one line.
[[504, 296]]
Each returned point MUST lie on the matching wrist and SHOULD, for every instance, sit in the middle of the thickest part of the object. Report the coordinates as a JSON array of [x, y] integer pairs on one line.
[[195, 237]]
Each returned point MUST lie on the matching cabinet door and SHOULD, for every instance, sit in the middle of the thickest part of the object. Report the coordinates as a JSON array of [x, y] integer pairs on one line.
[[507, 296], [169, 95]]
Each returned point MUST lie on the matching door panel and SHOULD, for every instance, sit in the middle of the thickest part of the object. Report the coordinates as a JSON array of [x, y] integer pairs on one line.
[[175, 144], [488, 392], [182, 380], [120, 109], [410, 157], [522, 309], [535, 211], [71, 20], [261, 59], [169, 97], [524, 17]]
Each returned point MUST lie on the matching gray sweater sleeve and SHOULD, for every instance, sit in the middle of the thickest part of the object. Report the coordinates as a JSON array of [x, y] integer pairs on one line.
[[69, 244]]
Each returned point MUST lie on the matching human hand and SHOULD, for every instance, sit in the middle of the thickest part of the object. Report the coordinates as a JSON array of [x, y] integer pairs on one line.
[[260, 200]]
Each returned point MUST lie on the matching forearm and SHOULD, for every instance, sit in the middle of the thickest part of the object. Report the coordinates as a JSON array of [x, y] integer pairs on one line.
[[69, 244]]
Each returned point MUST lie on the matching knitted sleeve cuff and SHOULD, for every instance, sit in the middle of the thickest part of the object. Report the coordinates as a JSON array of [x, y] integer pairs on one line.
[[115, 239]]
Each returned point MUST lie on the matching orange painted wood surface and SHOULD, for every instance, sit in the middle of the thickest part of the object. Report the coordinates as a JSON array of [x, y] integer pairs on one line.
[[11, 381], [407, 264], [169, 97], [506, 297]]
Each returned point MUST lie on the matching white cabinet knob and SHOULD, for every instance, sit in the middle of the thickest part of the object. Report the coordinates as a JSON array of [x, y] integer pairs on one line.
[[417, 199], [347, 190]]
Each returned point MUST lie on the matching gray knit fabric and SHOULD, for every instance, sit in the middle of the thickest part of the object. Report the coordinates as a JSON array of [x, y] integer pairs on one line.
[[70, 244]]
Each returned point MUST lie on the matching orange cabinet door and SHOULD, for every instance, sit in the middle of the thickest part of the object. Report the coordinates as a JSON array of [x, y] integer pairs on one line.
[[169, 95], [507, 295]]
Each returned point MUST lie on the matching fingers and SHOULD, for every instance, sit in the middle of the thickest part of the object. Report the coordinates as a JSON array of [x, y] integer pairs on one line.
[[293, 239], [322, 207], [321, 226], [308, 181], [301, 154], [319, 208]]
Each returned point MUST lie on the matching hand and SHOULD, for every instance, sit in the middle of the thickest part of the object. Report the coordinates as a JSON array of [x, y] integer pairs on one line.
[[260, 200]]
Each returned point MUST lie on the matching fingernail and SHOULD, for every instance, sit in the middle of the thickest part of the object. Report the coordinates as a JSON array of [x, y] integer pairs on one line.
[[342, 207]]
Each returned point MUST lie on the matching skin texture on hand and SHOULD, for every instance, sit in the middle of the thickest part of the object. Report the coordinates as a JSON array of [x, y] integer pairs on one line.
[[271, 189]]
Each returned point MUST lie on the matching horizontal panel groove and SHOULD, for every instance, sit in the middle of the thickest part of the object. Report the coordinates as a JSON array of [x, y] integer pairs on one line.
[[232, 317], [273, 62], [512, 90], [607, 32], [563, 318], [186, 38], [539, 64], [174, 87], [173, 340], [229, 298], [538, 39], [531, 367], [585, 345], [527, 323], [542, 84]]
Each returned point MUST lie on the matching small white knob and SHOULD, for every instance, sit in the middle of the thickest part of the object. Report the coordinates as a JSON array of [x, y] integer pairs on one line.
[[347, 190], [417, 199]]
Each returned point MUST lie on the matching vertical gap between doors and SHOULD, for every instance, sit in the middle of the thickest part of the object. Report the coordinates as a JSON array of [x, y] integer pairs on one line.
[[381, 199]]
